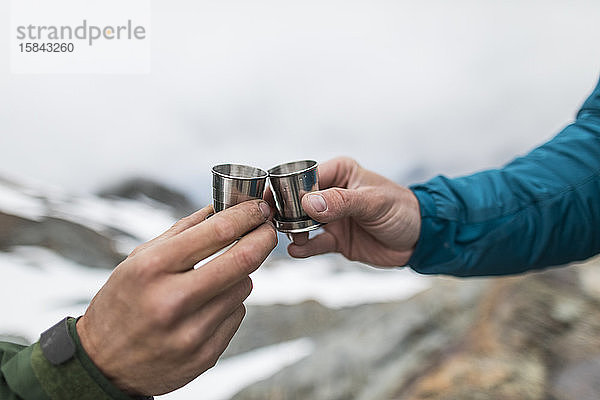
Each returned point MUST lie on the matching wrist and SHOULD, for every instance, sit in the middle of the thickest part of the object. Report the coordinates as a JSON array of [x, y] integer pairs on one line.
[[87, 344], [93, 354], [412, 219]]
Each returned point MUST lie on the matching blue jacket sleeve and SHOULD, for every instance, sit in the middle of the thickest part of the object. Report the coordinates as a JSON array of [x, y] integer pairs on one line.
[[540, 210]]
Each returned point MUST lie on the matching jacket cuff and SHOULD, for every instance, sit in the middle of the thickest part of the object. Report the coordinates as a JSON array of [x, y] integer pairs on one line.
[[432, 250], [77, 378], [18, 373]]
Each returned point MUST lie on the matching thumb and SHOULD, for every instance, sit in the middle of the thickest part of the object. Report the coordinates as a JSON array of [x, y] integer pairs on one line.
[[335, 203]]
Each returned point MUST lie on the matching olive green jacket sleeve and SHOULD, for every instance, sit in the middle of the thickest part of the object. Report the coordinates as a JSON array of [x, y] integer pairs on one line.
[[26, 374]]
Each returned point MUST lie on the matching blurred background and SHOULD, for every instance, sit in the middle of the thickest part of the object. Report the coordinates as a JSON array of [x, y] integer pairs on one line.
[[92, 165]]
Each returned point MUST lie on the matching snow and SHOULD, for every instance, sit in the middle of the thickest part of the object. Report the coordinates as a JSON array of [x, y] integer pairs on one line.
[[139, 221], [52, 286], [39, 288], [333, 282], [15, 202], [231, 375]]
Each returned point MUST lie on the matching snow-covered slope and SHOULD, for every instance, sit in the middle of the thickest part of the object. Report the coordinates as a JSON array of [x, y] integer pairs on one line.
[[125, 221]]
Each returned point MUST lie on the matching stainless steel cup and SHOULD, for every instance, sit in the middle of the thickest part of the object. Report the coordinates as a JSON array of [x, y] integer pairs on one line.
[[289, 182], [234, 183]]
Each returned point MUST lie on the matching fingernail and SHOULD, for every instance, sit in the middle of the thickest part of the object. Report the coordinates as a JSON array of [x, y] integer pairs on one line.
[[317, 202], [265, 209]]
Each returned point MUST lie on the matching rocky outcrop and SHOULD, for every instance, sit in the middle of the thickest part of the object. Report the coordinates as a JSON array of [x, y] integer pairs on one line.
[[528, 337], [373, 343], [533, 338], [85, 229], [76, 242], [142, 188], [267, 325]]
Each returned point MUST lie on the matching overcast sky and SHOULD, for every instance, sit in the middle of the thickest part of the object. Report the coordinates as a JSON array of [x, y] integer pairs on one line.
[[410, 88]]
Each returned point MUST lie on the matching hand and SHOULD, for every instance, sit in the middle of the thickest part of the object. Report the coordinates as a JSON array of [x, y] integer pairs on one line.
[[158, 323], [369, 218]]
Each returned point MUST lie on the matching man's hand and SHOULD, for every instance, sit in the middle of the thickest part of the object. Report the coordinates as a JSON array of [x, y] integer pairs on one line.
[[158, 323], [369, 218]]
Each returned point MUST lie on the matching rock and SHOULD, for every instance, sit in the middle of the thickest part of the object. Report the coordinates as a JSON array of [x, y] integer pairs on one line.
[[272, 324], [579, 381], [71, 240], [526, 327], [528, 337], [356, 358], [266, 325], [142, 189], [589, 276]]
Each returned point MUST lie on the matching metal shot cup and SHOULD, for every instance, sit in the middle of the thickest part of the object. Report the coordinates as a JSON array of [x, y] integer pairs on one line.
[[289, 182], [234, 183]]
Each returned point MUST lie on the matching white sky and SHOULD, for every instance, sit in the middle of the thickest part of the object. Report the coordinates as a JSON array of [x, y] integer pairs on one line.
[[443, 86]]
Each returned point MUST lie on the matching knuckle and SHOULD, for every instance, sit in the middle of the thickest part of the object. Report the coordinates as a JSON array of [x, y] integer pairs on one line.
[[212, 361], [154, 262], [242, 312], [165, 310], [211, 355], [247, 256], [224, 230], [245, 287], [351, 256], [379, 199], [238, 316], [158, 315], [140, 273], [253, 210], [161, 315], [273, 239], [347, 162], [182, 221], [203, 331], [340, 198], [138, 249], [186, 343], [177, 224]]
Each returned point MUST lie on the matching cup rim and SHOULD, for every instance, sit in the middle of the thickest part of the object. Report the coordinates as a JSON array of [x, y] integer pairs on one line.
[[313, 165], [263, 174]]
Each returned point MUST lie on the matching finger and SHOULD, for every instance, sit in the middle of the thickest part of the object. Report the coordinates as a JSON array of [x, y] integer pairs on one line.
[[230, 267], [189, 221], [337, 172], [202, 321], [178, 227], [210, 351], [320, 244], [299, 238], [183, 251], [333, 204], [268, 196]]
